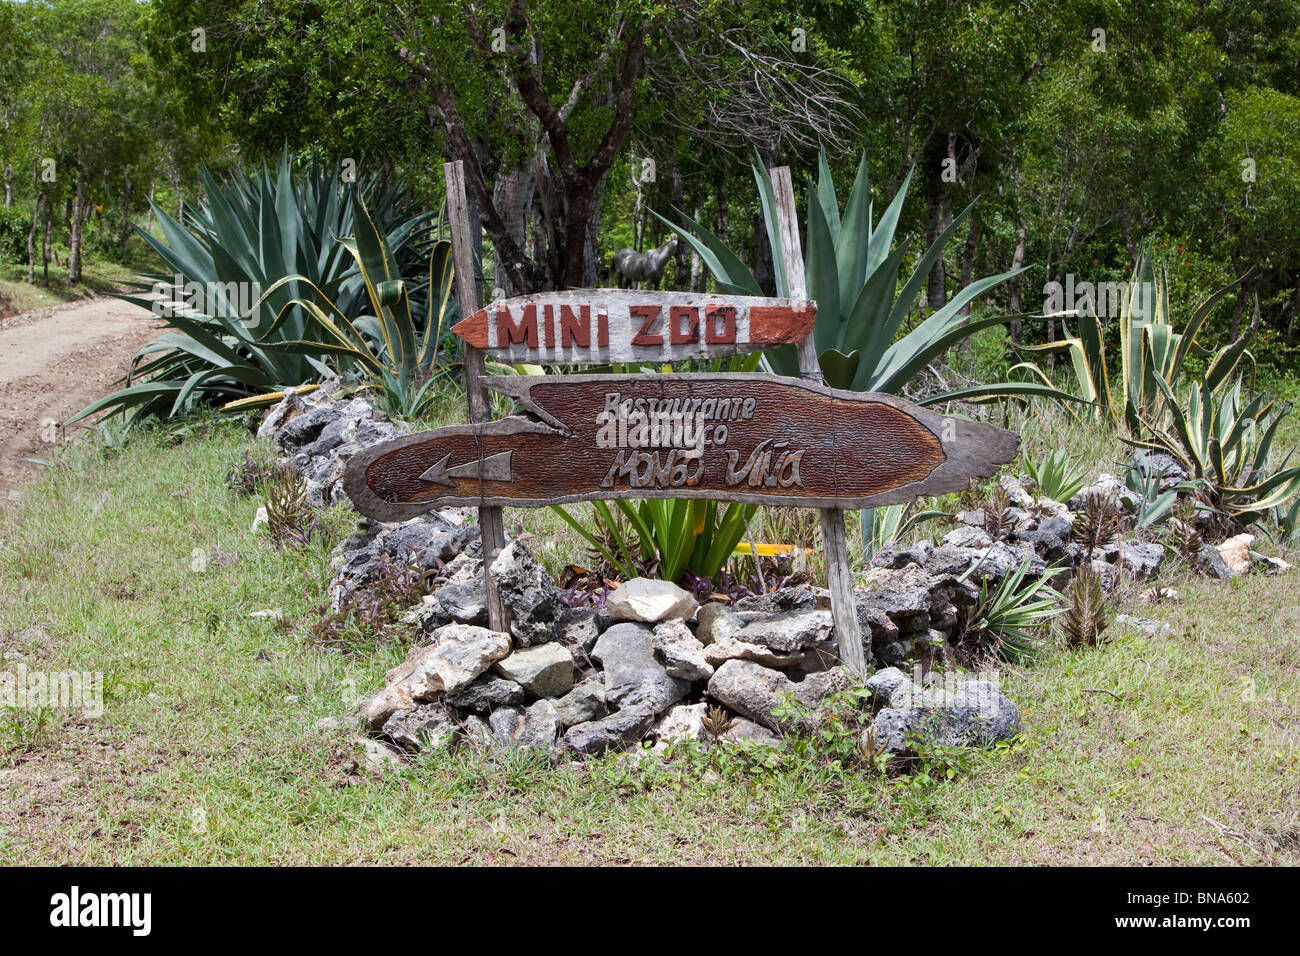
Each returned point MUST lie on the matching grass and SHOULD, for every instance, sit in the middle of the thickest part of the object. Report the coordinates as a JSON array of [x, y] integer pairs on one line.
[[100, 276], [207, 751]]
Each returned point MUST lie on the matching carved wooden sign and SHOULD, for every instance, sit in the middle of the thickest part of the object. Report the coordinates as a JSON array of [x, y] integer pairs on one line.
[[606, 326], [754, 438]]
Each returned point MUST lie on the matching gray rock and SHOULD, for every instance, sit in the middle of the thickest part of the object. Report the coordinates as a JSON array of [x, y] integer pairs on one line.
[[1106, 571], [732, 649], [1141, 560], [900, 556], [427, 727], [487, 694], [967, 537], [649, 601], [378, 754], [478, 733], [975, 518], [461, 653], [1158, 463], [682, 722], [752, 690], [578, 631], [1059, 526], [681, 652], [903, 599], [633, 675], [464, 602], [789, 631], [375, 709], [875, 624], [748, 732], [586, 702], [610, 733], [778, 601], [536, 727], [543, 671], [973, 713], [1015, 489], [1144, 625], [715, 622], [1048, 545], [981, 565], [892, 654], [1210, 562], [536, 604]]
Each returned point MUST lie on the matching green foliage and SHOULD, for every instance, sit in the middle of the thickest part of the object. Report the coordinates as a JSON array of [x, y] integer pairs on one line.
[[1225, 442], [666, 537], [1151, 506], [1097, 524], [1057, 475], [14, 226], [1084, 619], [1151, 352], [387, 343], [266, 233], [851, 269], [1009, 621], [882, 526]]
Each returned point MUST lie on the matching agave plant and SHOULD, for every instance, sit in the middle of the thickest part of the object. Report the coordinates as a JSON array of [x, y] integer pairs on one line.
[[1225, 442], [885, 525], [1057, 475], [387, 344], [1151, 351], [1009, 620], [250, 233], [852, 268], [667, 536]]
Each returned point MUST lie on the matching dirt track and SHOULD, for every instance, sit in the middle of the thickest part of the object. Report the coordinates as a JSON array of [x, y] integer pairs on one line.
[[53, 363]]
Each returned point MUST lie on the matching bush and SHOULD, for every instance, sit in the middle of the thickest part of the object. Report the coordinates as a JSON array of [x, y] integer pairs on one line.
[[14, 226]]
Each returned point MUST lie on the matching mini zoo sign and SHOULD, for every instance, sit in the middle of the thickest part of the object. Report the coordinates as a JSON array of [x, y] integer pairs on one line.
[[748, 437]]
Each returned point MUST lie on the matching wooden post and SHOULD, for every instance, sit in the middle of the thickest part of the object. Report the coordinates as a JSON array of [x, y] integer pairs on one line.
[[491, 520], [848, 633]]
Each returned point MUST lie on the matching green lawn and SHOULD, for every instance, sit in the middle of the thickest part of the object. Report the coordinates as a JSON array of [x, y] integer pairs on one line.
[[207, 750]]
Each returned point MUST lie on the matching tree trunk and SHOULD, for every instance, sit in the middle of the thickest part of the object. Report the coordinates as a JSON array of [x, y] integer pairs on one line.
[[1013, 287], [512, 194], [697, 264], [681, 271], [579, 201], [74, 230], [46, 244], [31, 240], [148, 219], [764, 268], [723, 222], [9, 186], [937, 219], [126, 212], [968, 261]]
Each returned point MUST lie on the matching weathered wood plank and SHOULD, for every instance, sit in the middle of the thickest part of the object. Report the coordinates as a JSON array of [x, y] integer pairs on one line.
[[839, 579], [491, 520], [741, 437], [605, 326]]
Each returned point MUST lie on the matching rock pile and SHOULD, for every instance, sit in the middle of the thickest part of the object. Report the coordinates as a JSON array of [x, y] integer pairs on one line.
[[650, 663]]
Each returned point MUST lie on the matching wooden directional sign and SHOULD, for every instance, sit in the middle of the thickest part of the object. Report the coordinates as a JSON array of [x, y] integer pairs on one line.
[[752, 438], [605, 326]]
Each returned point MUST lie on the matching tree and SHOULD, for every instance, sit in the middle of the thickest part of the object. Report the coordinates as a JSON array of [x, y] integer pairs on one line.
[[538, 100]]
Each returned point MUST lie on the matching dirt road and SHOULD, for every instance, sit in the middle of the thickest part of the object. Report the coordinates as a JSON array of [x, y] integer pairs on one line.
[[53, 363]]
